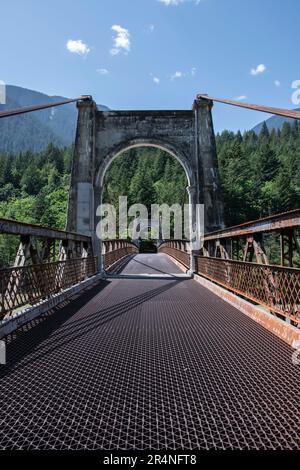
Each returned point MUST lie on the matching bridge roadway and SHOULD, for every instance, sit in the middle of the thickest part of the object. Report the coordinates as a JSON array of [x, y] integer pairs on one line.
[[158, 363]]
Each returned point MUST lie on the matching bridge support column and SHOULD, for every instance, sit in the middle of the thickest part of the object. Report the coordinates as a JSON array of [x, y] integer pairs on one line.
[[208, 174], [194, 225], [81, 216]]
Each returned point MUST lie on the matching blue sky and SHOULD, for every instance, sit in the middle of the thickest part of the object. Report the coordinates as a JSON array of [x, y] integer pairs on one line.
[[155, 54]]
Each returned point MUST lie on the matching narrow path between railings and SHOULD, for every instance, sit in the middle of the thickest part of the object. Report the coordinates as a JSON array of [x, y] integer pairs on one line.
[[157, 363]]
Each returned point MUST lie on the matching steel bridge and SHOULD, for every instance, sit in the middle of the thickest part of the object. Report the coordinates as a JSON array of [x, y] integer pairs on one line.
[[144, 353]]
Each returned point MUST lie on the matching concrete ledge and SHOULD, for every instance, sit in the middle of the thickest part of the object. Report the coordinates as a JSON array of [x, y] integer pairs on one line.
[[21, 318], [178, 264], [118, 264], [278, 327]]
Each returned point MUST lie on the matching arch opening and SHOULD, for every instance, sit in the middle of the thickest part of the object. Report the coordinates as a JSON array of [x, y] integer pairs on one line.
[[148, 175], [141, 143]]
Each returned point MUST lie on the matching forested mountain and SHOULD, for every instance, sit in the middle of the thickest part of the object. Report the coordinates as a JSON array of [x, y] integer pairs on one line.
[[274, 122], [260, 175], [36, 130], [146, 176], [34, 187]]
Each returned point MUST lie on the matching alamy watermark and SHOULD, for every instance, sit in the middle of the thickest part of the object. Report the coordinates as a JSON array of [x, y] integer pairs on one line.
[[2, 352], [2, 92], [162, 222], [296, 94], [296, 353]]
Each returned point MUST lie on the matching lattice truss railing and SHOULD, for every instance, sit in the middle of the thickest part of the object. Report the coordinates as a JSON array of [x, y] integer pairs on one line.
[[177, 249], [47, 261], [27, 285], [115, 250], [275, 287]]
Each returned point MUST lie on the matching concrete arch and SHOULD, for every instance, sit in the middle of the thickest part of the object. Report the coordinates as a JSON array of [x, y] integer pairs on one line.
[[103, 135], [145, 142]]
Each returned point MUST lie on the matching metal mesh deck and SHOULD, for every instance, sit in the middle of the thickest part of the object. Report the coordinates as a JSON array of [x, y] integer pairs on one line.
[[148, 364]]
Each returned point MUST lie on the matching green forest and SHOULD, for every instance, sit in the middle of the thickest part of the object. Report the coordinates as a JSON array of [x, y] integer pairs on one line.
[[260, 175]]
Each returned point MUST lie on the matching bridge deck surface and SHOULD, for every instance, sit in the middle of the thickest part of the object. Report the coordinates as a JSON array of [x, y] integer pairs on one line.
[[149, 363]]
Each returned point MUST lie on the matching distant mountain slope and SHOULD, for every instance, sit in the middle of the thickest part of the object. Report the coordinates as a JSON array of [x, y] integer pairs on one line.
[[34, 131], [274, 122]]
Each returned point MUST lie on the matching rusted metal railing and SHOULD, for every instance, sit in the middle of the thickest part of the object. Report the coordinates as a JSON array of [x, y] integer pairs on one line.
[[177, 249], [47, 262], [275, 287], [115, 250], [26, 285], [248, 241]]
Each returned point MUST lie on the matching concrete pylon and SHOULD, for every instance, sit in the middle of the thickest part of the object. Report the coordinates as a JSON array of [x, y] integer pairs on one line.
[[81, 196], [207, 163], [187, 135]]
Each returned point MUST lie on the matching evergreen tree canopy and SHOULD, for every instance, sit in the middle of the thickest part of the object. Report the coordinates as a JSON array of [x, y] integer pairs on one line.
[[260, 175]]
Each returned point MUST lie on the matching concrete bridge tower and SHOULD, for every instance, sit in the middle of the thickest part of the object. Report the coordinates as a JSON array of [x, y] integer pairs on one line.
[[103, 135]]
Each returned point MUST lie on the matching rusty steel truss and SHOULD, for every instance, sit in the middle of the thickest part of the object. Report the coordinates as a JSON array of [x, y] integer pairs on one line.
[[275, 287], [178, 249], [114, 250], [26, 285], [48, 261], [245, 242], [250, 274]]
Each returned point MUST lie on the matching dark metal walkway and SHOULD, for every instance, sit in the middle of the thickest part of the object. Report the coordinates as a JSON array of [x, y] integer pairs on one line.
[[148, 364]]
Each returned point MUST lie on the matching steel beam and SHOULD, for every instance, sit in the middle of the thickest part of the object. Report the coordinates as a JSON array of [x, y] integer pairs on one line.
[[14, 227], [271, 223]]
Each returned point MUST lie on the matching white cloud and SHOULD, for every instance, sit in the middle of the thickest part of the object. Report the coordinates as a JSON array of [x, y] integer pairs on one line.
[[77, 47], [241, 98], [155, 79], [177, 74], [177, 2], [103, 71], [171, 2], [121, 40], [181, 74], [277, 83], [261, 68]]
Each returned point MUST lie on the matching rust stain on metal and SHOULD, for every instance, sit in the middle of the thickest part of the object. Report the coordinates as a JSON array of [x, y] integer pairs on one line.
[[14, 227], [290, 219], [283, 330]]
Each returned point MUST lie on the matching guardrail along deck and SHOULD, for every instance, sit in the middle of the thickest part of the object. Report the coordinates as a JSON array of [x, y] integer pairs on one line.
[[148, 364]]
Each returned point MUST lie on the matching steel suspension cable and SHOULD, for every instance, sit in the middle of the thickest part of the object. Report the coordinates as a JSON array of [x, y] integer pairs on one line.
[[29, 109], [289, 113]]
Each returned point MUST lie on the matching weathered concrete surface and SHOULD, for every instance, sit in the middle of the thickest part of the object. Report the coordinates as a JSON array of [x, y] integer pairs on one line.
[[81, 196], [101, 136], [170, 130]]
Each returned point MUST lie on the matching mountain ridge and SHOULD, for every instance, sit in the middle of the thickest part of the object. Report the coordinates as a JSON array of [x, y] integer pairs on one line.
[[34, 131], [274, 122]]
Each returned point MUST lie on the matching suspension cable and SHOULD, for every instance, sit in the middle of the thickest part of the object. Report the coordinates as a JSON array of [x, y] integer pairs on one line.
[[29, 109], [290, 113]]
